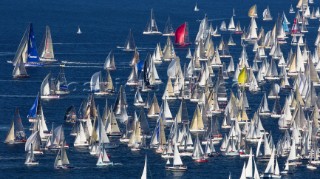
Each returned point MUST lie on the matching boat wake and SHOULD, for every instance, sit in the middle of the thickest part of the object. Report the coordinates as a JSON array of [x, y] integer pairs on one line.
[[80, 63], [16, 96], [83, 66], [139, 49], [4, 128], [119, 164]]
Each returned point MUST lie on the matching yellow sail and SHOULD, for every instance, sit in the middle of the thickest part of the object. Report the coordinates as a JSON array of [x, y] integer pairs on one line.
[[253, 11], [242, 78]]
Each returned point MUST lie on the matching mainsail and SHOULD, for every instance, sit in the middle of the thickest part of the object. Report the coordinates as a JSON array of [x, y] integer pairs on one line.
[[182, 35], [46, 48], [33, 57]]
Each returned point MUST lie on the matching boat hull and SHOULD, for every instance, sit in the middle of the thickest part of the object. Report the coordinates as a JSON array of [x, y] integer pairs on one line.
[[177, 168], [31, 163], [20, 76], [103, 164], [152, 33], [50, 97]]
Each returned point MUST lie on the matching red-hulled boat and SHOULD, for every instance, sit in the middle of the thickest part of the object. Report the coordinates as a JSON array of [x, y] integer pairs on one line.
[[201, 160]]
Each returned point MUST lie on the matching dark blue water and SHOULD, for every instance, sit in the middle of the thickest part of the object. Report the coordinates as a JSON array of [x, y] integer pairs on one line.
[[105, 25]]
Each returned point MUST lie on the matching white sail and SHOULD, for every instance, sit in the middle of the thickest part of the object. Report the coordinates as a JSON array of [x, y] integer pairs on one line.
[[144, 173], [176, 157], [45, 86], [46, 48], [95, 82]]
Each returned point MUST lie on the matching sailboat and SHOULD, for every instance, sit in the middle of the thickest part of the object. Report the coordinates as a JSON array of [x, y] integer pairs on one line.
[[33, 143], [62, 161], [291, 10], [198, 154], [79, 31], [310, 165], [154, 109], [112, 127], [177, 162], [182, 35], [152, 28], [16, 133], [267, 15], [61, 83], [99, 87], [30, 160], [272, 170], [286, 169], [46, 47], [129, 45], [253, 11], [231, 26], [109, 63], [48, 89], [168, 29], [81, 139], [144, 172], [138, 101], [196, 9], [197, 121], [27, 50], [264, 108], [19, 70], [103, 159]]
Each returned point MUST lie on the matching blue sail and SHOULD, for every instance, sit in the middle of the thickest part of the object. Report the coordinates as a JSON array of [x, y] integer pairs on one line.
[[33, 57], [285, 26], [140, 65], [158, 130], [33, 109]]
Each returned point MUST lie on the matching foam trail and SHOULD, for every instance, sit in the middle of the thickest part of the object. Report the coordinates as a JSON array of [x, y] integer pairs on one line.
[[16, 96], [81, 63]]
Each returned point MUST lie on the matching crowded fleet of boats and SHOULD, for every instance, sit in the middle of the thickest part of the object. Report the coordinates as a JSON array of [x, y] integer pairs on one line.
[[203, 82]]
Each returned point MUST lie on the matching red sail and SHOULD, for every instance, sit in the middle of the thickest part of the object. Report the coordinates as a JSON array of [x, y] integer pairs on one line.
[[181, 35], [295, 28]]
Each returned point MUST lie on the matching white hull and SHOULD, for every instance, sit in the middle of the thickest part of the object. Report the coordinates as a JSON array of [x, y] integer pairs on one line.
[[275, 115], [170, 98], [124, 140], [186, 154], [177, 168], [50, 97], [102, 164], [102, 93], [189, 148], [153, 116], [38, 152], [311, 167], [273, 97], [48, 60], [31, 163], [172, 34], [32, 120], [226, 127], [271, 77], [235, 153], [81, 145], [138, 104], [152, 33], [222, 99], [167, 156], [264, 113], [197, 130], [62, 92], [132, 83]]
